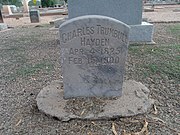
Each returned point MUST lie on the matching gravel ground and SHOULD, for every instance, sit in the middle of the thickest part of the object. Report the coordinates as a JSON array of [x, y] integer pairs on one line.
[[163, 14], [29, 61]]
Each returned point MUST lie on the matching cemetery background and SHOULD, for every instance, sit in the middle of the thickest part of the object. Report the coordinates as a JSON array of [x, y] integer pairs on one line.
[[30, 61]]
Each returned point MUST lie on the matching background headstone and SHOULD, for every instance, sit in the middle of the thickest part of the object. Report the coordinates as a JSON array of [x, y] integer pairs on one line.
[[3, 26], [127, 11], [34, 16], [93, 53], [1, 17], [7, 10]]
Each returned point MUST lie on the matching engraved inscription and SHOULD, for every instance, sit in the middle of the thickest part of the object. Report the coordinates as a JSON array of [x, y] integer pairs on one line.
[[94, 41], [94, 50], [99, 30]]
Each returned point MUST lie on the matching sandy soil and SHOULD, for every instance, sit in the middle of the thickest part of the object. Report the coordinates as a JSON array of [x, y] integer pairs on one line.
[[29, 61], [161, 14]]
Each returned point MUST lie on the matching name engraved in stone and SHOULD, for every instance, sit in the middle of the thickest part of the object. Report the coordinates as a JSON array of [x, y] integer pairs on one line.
[[93, 51], [79, 32], [94, 41], [91, 30]]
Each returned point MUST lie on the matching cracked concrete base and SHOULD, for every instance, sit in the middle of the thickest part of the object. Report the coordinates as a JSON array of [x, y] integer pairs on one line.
[[134, 101]]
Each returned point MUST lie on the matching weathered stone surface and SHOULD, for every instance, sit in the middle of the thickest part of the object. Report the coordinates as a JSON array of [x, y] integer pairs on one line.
[[34, 16], [127, 11], [1, 17], [3, 26], [58, 22], [93, 53], [134, 101], [141, 33], [7, 9]]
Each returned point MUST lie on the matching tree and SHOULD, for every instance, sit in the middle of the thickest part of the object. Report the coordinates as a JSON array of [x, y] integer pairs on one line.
[[17, 3], [31, 3], [47, 3]]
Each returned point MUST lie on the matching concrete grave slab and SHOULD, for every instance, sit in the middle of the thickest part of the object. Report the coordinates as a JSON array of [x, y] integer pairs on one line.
[[134, 101], [93, 55], [142, 33], [57, 22]]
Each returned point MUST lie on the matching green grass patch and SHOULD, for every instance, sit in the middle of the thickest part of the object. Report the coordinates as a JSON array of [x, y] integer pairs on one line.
[[175, 29], [158, 60], [32, 69], [29, 70]]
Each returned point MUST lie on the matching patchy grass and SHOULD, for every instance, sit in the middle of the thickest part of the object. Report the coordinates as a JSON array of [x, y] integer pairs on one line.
[[28, 70], [32, 69], [161, 60], [175, 29]]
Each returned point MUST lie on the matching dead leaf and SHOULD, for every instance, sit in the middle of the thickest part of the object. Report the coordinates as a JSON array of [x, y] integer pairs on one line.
[[144, 130], [113, 129], [82, 112], [124, 133], [158, 119], [19, 122], [155, 110], [89, 133]]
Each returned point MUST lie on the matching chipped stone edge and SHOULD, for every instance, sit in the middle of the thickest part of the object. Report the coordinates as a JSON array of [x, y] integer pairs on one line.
[[69, 116]]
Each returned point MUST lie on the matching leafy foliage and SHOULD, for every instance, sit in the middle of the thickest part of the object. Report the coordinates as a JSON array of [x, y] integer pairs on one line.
[[31, 3], [47, 3], [17, 3]]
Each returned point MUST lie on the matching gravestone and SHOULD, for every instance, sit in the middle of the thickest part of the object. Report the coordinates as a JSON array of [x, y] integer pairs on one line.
[[34, 16], [3, 26], [7, 9], [93, 54], [1, 17], [127, 11]]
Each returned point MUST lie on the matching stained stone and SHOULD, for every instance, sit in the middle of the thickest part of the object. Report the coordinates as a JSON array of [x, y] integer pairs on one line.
[[135, 100], [93, 54], [34, 16]]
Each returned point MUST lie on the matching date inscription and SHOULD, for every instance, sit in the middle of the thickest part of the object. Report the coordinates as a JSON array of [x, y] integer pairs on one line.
[[94, 45]]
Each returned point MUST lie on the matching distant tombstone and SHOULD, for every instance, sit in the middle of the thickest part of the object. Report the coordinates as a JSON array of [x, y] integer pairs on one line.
[[7, 9], [1, 17], [93, 55], [34, 16]]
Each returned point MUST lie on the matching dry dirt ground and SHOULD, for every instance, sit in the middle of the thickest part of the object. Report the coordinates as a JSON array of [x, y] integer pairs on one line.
[[29, 61]]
